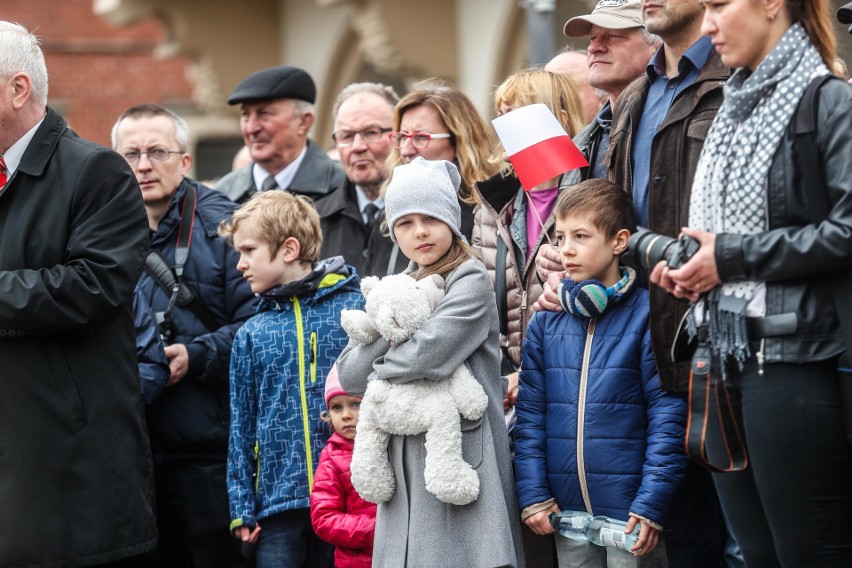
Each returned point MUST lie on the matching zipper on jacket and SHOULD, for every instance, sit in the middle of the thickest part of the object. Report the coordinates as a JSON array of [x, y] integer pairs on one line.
[[303, 395], [313, 356], [257, 467], [523, 299], [581, 416], [760, 358]]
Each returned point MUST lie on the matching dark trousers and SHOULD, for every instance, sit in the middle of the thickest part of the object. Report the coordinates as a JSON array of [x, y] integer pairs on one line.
[[695, 532], [193, 517], [539, 550], [287, 540], [792, 506]]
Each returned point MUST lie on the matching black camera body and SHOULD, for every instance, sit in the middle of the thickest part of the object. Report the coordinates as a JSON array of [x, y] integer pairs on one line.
[[645, 249], [844, 15]]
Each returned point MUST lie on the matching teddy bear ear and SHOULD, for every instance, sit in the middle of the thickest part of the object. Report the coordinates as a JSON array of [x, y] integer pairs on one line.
[[433, 288], [368, 284]]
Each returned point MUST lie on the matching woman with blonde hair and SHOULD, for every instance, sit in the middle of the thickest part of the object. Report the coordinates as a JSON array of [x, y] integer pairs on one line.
[[510, 225], [771, 280], [438, 122]]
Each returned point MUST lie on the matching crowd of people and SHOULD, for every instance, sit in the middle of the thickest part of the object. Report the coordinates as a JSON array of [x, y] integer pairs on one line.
[[180, 389]]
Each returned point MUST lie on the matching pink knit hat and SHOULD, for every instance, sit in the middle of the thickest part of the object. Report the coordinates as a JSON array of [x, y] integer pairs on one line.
[[332, 385]]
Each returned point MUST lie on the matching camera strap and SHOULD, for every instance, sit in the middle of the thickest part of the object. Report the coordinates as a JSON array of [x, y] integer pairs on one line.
[[709, 398], [170, 280]]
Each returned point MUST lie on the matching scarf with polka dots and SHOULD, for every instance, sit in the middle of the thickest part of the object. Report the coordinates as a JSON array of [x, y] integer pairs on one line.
[[729, 188]]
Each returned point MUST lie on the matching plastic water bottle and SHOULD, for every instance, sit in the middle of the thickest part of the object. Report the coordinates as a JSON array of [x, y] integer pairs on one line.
[[571, 523], [605, 531]]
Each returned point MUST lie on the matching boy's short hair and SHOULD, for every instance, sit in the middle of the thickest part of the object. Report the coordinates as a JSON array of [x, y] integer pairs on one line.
[[610, 206], [275, 216]]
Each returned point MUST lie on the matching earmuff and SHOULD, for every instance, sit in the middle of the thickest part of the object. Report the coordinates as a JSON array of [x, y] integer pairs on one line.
[[589, 298]]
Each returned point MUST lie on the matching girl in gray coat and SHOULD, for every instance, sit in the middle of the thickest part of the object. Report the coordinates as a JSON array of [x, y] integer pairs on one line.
[[414, 528]]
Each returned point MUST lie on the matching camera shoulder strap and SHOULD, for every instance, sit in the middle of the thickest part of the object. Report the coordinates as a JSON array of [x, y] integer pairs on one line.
[[170, 280], [708, 398]]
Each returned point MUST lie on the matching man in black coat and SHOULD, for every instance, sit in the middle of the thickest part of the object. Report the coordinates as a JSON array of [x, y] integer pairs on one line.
[[75, 468], [363, 117]]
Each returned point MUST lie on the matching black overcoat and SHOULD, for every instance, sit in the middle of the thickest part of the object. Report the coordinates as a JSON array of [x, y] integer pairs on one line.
[[75, 468]]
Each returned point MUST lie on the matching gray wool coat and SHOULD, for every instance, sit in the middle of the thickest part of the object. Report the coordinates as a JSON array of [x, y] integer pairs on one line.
[[415, 529]]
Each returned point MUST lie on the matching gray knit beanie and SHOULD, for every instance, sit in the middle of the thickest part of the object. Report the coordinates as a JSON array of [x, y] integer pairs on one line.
[[425, 187]]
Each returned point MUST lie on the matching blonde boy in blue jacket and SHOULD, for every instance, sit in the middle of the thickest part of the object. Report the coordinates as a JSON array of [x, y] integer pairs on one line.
[[279, 361], [595, 431]]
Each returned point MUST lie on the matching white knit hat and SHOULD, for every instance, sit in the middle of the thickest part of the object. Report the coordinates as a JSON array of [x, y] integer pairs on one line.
[[425, 187]]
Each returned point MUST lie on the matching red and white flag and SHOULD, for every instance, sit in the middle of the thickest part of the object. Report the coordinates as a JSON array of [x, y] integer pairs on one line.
[[537, 145]]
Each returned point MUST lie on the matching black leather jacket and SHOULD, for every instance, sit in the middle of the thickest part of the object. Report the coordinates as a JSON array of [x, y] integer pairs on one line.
[[796, 257]]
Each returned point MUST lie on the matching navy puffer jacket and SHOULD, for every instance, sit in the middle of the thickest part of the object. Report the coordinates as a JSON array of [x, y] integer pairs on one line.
[[190, 418], [631, 451]]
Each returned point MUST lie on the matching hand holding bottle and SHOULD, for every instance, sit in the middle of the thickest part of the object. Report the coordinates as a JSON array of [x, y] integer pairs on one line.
[[649, 537], [540, 523]]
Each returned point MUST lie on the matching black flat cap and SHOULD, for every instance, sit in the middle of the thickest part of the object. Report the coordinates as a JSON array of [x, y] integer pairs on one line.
[[283, 82]]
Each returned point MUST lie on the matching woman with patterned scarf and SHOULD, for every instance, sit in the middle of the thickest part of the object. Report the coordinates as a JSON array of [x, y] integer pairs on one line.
[[764, 280]]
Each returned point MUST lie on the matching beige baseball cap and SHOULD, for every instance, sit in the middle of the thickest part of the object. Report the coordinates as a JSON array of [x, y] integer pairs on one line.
[[610, 14]]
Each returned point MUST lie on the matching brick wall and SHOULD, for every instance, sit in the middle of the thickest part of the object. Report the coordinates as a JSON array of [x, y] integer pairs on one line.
[[97, 71]]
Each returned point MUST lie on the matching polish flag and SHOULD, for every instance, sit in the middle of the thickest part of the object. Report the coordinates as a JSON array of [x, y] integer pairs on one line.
[[537, 145]]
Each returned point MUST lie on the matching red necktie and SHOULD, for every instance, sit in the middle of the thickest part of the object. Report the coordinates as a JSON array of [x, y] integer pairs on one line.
[[3, 172]]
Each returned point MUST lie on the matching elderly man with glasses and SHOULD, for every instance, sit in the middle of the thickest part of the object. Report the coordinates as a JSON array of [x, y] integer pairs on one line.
[[276, 115], [188, 422], [363, 115]]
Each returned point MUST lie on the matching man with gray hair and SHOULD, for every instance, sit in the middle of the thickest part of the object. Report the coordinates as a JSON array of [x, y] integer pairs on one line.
[[276, 115], [188, 422], [363, 117], [75, 466]]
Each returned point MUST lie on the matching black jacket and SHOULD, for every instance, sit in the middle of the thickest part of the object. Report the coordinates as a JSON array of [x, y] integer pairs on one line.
[[343, 230], [75, 470], [797, 257]]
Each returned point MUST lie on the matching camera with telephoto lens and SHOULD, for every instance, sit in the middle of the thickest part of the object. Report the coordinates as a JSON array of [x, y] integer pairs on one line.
[[645, 249]]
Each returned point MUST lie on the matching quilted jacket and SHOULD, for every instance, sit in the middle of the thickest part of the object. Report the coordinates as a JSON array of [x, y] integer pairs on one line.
[[595, 429], [338, 514]]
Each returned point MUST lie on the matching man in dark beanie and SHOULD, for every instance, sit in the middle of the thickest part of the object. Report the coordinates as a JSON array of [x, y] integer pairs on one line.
[[276, 115]]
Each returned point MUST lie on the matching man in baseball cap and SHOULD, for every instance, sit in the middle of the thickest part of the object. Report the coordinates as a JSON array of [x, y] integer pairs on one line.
[[276, 115], [619, 49]]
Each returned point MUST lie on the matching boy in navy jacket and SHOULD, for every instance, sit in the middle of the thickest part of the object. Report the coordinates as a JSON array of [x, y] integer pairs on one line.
[[279, 360], [595, 431]]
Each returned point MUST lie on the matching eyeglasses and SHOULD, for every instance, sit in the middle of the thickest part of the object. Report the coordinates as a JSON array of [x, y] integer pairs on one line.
[[347, 137], [419, 139], [154, 154]]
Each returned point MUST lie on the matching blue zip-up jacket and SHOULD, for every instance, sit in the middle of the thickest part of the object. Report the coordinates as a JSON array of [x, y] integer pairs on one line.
[[595, 429], [154, 369], [189, 420], [279, 362]]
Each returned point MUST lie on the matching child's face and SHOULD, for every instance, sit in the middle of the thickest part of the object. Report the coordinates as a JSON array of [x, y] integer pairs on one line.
[[586, 251], [422, 239], [343, 410], [259, 267]]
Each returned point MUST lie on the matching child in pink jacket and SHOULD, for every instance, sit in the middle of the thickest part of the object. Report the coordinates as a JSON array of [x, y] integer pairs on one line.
[[338, 514]]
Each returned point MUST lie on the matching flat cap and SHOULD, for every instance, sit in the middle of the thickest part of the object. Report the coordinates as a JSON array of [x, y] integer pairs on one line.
[[282, 82]]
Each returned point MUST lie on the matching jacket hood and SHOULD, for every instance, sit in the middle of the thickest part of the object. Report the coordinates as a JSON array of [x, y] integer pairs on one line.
[[327, 276]]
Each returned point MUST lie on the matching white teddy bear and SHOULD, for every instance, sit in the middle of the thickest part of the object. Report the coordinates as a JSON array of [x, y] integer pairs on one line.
[[397, 305]]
